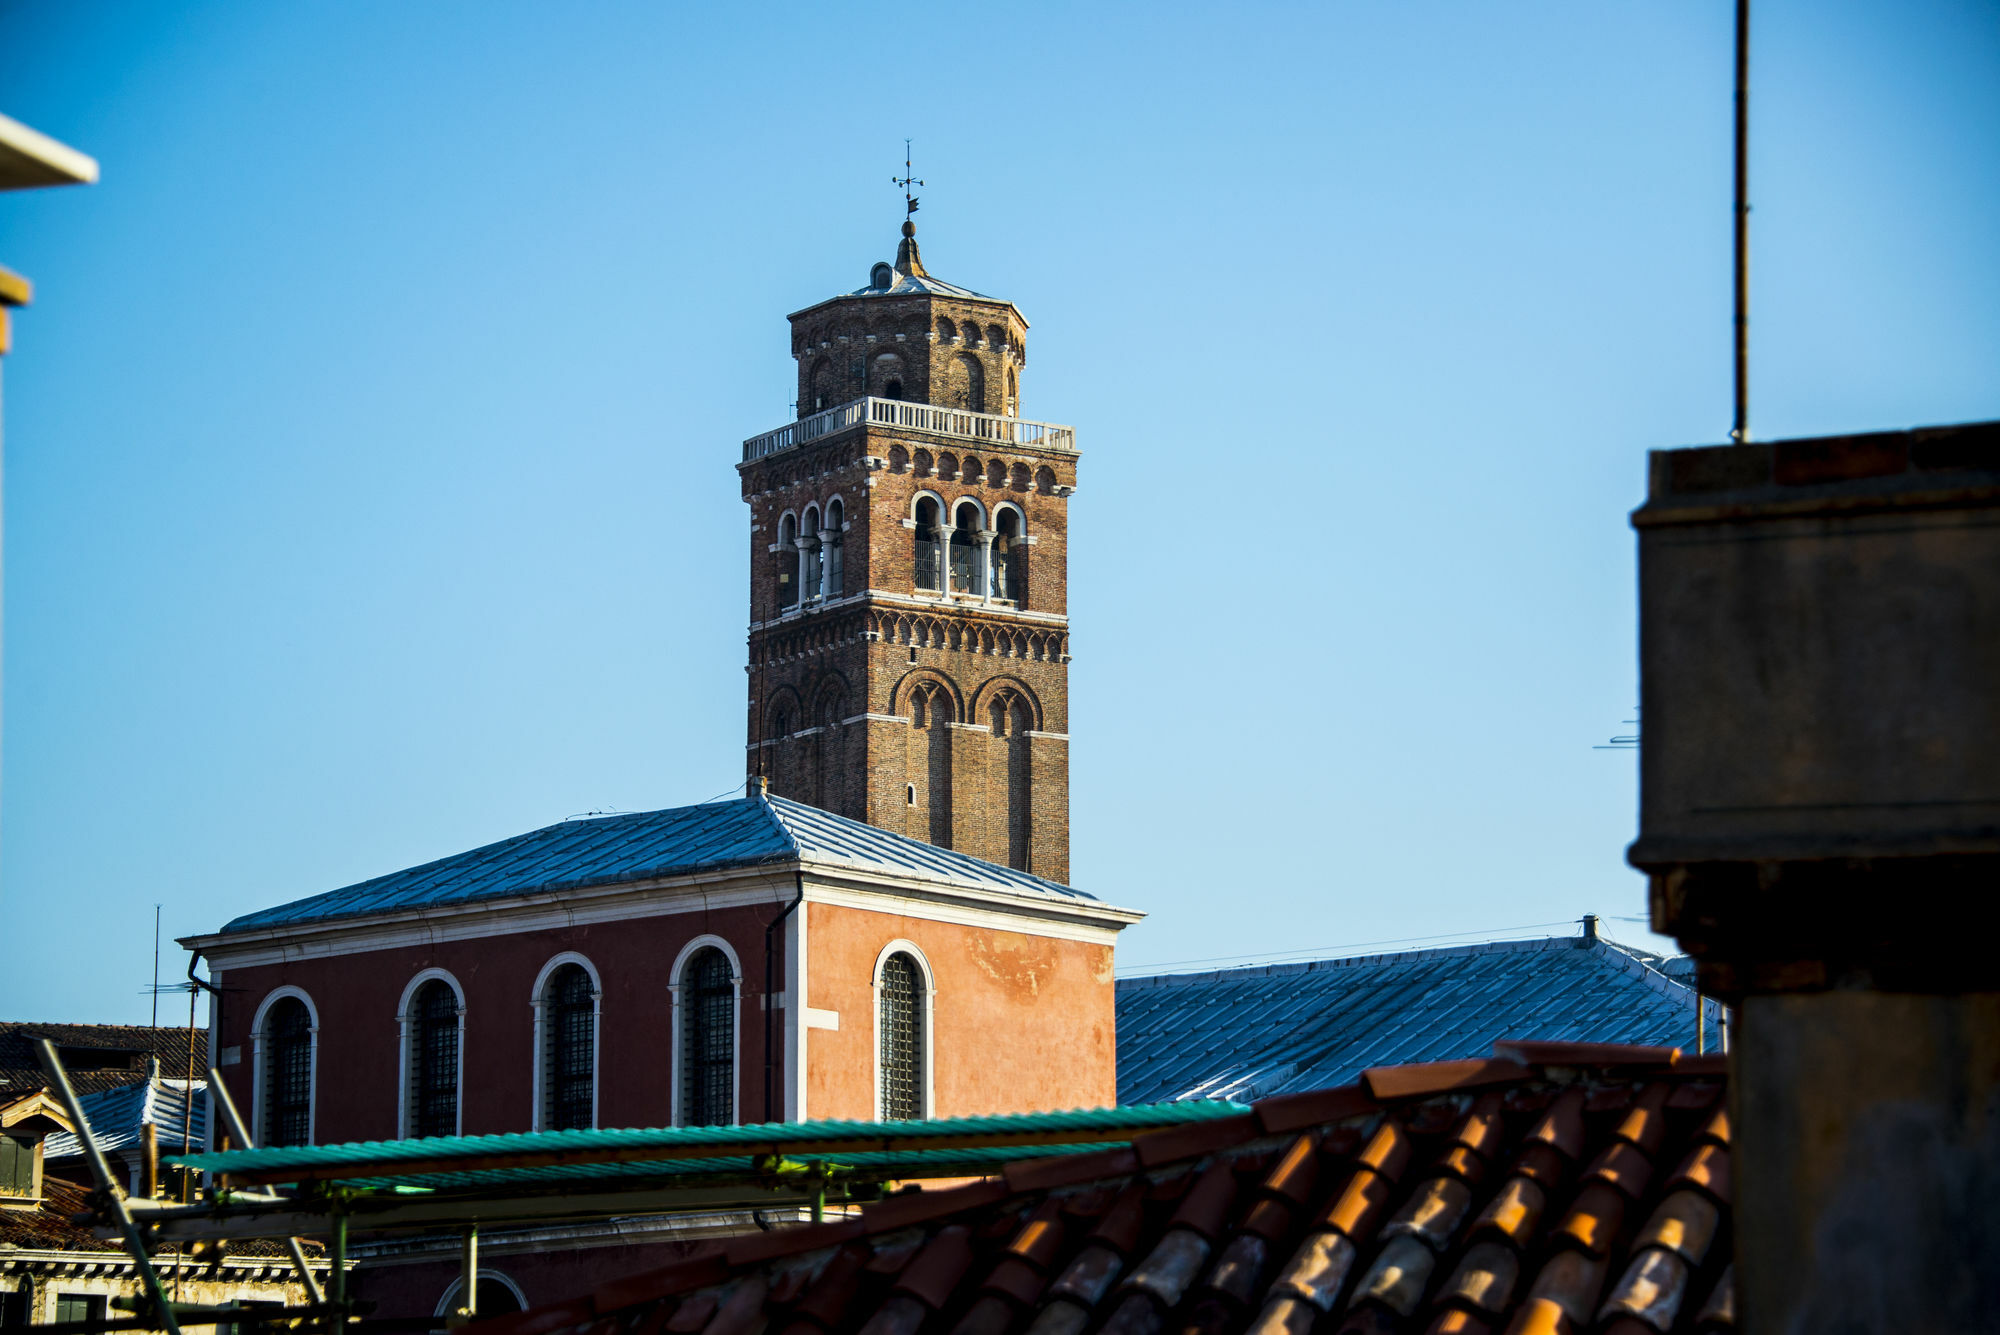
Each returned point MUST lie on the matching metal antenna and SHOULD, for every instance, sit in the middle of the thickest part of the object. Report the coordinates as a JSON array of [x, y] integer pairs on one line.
[[156, 968], [1740, 433], [906, 180]]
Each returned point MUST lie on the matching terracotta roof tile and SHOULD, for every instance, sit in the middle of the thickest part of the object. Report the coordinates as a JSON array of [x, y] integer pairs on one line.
[[1468, 1210], [1416, 1081]]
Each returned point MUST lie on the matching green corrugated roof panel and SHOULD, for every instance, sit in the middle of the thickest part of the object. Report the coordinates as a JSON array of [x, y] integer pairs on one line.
[[967, 1162], [374, 1161]]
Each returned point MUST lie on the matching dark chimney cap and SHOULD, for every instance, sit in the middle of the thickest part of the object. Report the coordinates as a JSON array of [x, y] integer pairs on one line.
[[1590, 926]]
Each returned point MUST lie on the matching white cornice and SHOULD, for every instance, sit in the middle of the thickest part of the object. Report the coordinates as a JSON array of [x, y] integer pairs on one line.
[[938, 900]]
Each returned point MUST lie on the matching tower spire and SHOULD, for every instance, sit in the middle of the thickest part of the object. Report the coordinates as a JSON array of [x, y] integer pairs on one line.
[[908, 261]]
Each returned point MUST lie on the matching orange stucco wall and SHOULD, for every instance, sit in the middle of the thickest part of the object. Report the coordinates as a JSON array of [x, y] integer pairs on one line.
[[1022, 1023]]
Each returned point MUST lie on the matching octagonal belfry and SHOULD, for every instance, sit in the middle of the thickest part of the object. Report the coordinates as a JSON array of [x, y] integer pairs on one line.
[[909, 627]]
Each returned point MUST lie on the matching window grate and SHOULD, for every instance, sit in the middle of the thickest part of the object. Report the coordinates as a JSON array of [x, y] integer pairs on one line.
[[434, 1061], [288, 1077], [569, 1072], [902, 1040], [708, 1041]]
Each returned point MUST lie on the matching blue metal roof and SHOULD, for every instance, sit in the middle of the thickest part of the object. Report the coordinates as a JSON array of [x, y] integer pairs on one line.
[[610, 850], [1252, 1032]]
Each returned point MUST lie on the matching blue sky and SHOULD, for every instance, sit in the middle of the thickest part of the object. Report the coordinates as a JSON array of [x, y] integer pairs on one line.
[[369, 445]]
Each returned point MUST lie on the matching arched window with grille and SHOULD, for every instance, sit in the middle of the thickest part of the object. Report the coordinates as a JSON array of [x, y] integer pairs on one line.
[[705, 1006], [930, 545], [833, 576], [286, 1036], [1010, 556], [432, 1019], [902, 990], [786, 561], [567, 1014]]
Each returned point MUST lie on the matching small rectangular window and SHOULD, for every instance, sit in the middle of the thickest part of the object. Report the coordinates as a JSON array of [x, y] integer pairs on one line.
[[79, 1307]]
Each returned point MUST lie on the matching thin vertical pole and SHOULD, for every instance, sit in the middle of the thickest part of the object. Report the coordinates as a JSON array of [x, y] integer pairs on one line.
[[156, 966], [468, 1259], [233, 1119], [1740, 433], [108, 1189]]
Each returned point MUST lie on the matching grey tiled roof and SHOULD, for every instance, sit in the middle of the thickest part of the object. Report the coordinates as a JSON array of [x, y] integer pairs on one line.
[[117, 1114], [638, 846], [1252, 1032]]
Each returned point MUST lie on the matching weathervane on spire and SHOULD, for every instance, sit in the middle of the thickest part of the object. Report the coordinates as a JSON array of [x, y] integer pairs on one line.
[[906, 180]]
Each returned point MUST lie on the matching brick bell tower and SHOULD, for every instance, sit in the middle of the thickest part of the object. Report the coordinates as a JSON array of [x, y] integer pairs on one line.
[[909, 628]]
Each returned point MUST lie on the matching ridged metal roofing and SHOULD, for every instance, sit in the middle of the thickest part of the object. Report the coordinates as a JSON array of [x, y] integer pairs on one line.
[[1253, 1032], [487, 1160], [610, 850]]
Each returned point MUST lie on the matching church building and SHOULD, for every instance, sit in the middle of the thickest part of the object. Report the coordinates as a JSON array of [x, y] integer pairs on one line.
[[880, 928], [909, 622]]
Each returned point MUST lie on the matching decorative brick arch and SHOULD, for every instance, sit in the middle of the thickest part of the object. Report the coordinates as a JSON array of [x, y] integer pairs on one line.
[[908, 683], [982, 700]]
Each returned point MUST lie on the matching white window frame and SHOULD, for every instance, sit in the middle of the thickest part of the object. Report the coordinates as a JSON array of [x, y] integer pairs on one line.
[[928, 1001], [687, 953], [538, 1001], [403, 1110], [259, 1068]]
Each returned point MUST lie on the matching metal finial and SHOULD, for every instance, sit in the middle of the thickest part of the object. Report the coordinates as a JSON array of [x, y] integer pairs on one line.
[[906, 180]]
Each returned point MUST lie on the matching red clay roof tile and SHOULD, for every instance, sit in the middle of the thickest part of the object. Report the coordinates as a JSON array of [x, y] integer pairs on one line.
[[1706, 1167], [1360, 1205], [1456, 1322], [1208, 1243], [1593, 1218], [1646, 1125], [938, 1268], [1185, 1142], [1602, 1055], [1514, 1211], [918, 1207], [1421, 1079], [1684, 1223], [1562, 1126], [1295, 1112], [1624, 1167], [1295, 1171], [1208, 1204], [1068, 1170]]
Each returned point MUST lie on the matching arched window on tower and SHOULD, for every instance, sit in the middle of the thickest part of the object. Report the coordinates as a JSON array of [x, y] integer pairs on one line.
[[831, 542], [707, 1001], [288, 1074], [886, 374], [569, 1050], [932, 712], [1010, 558], [786, 559], [1011, 723], [822, 386], [930, 554], [900, 1035], [965, 552], [432, 1027], [1013, 394], [810, 568], [972, 394]]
